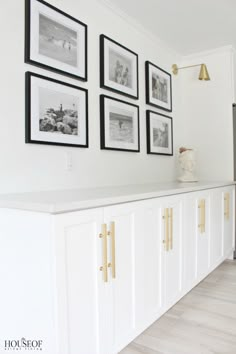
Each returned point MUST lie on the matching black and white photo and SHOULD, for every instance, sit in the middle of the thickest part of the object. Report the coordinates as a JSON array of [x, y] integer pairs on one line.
[[56, 113], [158, 87], [159, 134], [57, 41], [54, 40], [119, 125], [118, 68]]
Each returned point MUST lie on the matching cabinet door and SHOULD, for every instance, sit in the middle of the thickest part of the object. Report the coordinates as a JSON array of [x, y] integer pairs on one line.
[[136, 287], [190, 234], [203, 233], [228, 202], [121, 219], [204, 221], [148, 246], [172, 250], [216, 218], [196, 247], [83, 308]]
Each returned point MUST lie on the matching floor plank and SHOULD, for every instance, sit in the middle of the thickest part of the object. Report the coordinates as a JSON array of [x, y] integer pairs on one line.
[[203, 322]]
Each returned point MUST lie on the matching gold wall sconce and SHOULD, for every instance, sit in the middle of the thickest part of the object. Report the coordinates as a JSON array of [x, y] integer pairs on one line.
[[203, 75]]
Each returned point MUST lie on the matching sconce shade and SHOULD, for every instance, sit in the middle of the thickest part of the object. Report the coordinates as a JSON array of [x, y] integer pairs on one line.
[[204, 73]]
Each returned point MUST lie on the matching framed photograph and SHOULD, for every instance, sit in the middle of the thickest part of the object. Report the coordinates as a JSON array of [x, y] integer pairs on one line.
[[159, 134], [56, 112], [158, 87], [119, 125], [54, 40], [118, 68]]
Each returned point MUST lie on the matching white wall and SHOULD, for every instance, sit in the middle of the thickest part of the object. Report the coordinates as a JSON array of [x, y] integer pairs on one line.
[[207, 113], [35, 167]]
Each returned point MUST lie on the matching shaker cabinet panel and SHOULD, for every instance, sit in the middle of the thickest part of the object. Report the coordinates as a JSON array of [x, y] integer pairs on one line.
[[83, 296], [228, 201], [203, 233], [148, 246], [216, 225], [190, 230], [196, 247], [121, 219], [172, 249]]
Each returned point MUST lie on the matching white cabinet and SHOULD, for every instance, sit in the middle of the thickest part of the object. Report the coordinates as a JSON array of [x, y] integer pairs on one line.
[[109, 275], [120, 267], [208, 232], [172, 250], [216, 224], [196, 222], [121, 244], [82, 295], [196, 245], [134, 249], [148, 251], [111, 285], [105, 274], [228, 201], [222, 224], [190, 234], [203, 233]]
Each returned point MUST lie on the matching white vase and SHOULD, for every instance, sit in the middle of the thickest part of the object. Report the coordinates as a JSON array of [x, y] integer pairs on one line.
[[187, 162]]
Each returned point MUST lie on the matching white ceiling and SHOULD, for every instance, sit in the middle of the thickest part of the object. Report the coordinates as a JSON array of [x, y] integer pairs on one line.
[[188, 26]]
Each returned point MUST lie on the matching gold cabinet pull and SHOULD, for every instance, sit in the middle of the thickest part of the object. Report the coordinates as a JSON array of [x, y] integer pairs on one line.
[[171, 227], [226, 205], [166, 228], [202, 216], [103, 268], [112, 234]]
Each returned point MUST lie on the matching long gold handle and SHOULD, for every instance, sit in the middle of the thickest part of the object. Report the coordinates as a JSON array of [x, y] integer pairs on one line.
[[225, 203], [171, 227], [226, 207], [166, 238], [103, 268], [203, 215], [167, 229], [200, 216], [113, 249]]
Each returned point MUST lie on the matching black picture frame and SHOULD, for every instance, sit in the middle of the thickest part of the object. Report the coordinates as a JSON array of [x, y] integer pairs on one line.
[[30, 126], [125, 146], [161, 149], [164, 103], [50, 63], [131, 62]]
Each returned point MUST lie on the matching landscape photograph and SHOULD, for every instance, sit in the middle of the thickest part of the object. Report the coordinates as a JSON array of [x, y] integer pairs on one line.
[[57, 41], [58, 112], [121, 128]]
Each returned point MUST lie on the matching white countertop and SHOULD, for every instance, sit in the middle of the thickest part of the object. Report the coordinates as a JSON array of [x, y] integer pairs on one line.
[[62, 201]]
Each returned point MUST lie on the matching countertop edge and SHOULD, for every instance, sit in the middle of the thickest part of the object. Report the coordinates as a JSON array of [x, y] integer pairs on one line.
[[65, 207]]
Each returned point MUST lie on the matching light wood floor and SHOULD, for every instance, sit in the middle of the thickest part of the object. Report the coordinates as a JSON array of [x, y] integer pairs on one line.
[[203, 322]]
